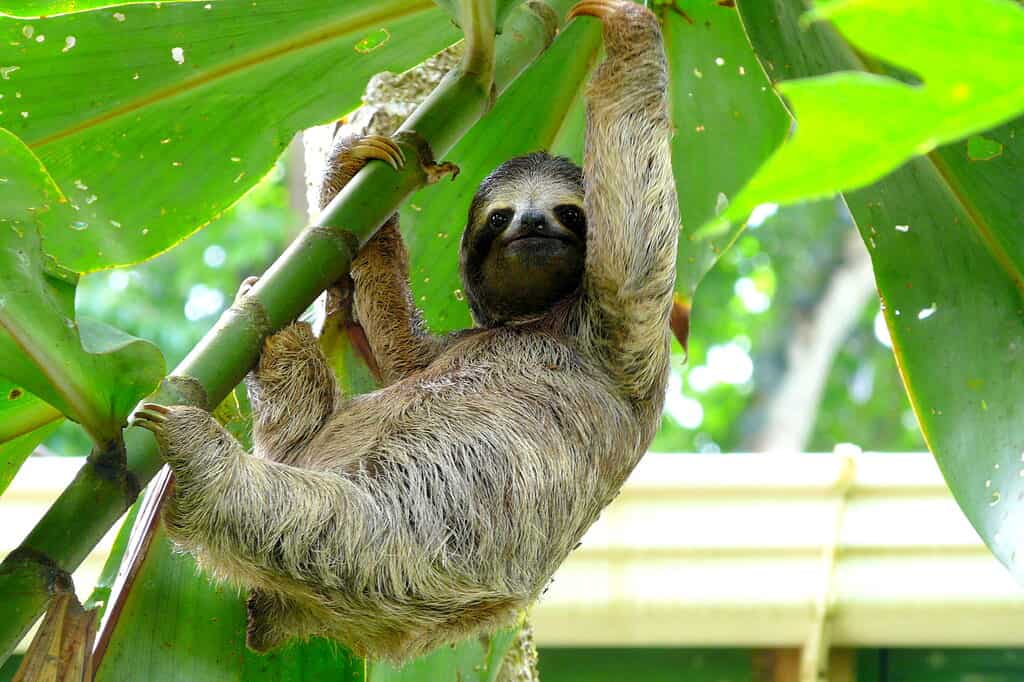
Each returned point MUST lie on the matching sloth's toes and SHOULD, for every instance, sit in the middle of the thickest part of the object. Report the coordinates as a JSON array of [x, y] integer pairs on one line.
[[436, 171], [620, 14]]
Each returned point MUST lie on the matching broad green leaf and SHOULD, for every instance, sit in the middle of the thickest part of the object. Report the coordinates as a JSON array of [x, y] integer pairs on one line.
[[727, 122], [955, 310], [90, 372], [21, 412], [14, 452], [852, 128], [188, 104], [714, 107], [25, 421], [39, 8], [945, 237]]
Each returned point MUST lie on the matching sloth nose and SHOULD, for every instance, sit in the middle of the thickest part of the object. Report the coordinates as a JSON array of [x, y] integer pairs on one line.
[[535, 221]]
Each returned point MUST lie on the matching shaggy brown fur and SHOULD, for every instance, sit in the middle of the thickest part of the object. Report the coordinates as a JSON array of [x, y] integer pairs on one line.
[[439, 505]]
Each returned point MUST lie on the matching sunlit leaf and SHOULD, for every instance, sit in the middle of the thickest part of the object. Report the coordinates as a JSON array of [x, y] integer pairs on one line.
[[38, 8], [852, 128], [188, 104]]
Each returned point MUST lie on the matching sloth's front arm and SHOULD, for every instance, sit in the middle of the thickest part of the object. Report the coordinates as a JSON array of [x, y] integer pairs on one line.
[[383, 301], [630, 201], [384, 307]]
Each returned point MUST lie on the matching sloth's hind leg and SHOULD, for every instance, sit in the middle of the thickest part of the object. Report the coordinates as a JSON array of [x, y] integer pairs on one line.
[[203, 456], [293, 392]]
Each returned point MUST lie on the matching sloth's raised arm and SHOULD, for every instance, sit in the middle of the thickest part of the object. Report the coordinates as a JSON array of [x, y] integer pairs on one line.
[[630, 200]]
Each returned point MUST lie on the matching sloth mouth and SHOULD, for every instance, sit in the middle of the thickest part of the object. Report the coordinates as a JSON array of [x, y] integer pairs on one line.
[[537, 238], [539, 233]]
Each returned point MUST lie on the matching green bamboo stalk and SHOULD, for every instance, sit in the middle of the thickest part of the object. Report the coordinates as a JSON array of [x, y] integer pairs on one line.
[[104, 489]]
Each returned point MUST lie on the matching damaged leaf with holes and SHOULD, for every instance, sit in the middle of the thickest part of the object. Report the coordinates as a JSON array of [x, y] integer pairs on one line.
[[171, 105]]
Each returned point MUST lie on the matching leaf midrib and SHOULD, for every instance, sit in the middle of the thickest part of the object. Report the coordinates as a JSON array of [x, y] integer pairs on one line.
[[994, 246], [50, 366], [302, 41]]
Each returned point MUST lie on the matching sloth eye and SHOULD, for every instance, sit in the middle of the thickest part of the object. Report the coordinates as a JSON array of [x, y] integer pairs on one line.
[[498, 219], [570, 216]]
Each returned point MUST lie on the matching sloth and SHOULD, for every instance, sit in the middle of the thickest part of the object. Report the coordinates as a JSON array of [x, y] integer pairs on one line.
[[440, 505]]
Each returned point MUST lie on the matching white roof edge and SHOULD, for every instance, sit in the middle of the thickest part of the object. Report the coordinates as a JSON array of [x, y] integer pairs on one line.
[[732, 550]]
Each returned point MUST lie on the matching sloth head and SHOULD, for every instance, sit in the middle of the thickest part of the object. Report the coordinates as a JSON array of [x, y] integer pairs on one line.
[[525, 243]]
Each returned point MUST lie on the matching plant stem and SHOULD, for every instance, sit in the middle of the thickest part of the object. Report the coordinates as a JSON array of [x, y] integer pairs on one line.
[[478, 18], [319, 256]]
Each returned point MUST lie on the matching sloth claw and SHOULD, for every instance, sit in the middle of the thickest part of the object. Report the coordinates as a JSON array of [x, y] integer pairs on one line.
[[152, 417], [379, 147], [602, 9], [162, 409]]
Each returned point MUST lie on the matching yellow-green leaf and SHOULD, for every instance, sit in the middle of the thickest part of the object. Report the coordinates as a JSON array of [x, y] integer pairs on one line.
[[88, 371]]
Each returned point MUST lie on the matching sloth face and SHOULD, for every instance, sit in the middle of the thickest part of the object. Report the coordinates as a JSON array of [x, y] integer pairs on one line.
[[524, 247]]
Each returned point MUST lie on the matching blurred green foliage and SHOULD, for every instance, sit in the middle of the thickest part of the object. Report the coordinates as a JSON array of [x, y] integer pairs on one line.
[[744, 314]]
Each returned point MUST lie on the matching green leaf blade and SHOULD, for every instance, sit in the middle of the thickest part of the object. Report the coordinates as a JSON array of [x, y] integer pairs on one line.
[[25, 422], [40, 345], [41, 8], [955, 317], [177, 105], [884, 122], [727, 122]]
